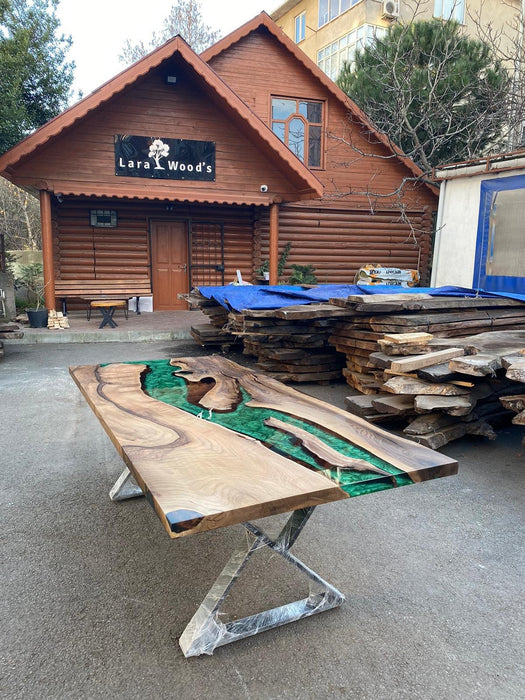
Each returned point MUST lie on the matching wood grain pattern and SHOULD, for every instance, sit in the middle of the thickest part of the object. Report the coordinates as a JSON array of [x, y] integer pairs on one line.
[[197, 475], [419, 463]]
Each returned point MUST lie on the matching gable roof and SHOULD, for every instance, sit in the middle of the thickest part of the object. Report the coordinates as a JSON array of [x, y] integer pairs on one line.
[[260, 134], [263, 20]]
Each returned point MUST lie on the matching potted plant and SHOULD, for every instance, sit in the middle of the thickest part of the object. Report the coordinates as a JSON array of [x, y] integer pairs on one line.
[[262, 274], [32, 277]]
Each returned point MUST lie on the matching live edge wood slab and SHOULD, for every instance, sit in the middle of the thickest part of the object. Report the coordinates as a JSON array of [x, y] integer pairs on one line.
[[212, 444]]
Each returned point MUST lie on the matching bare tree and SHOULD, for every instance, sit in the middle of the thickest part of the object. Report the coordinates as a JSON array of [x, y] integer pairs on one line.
[[184, 18], [19, 217]]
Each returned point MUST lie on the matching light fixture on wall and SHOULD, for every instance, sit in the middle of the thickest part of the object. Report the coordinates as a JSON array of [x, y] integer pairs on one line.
[[60, 197], [171, 79]]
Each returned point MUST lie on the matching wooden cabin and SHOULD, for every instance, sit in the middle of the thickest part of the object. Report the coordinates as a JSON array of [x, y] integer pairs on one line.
[[183, 169]]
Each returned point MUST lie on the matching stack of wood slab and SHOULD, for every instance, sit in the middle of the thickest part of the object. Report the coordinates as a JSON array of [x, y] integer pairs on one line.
[[371, 316], [515, 371], [291, 343], [443, 388], [56, 320], [213, 334], [9, 331]]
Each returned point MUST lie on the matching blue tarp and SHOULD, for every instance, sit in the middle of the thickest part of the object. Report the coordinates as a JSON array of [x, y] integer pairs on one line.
[[240, 297]]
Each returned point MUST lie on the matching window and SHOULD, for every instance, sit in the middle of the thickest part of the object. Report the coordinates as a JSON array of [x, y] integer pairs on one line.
[[450, 9], [298, 124], [300, 27], [330, 59], [103, 218], [330, 9]]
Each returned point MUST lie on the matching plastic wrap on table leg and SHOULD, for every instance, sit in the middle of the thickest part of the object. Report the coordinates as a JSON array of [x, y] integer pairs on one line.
[[206, 632]]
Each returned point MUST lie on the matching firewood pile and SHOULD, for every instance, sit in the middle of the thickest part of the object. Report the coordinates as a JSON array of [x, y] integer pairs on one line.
[[291, 343], [9, 331]]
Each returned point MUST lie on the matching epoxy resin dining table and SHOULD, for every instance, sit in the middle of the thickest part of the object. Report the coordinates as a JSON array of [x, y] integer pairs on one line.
[[211, 444]]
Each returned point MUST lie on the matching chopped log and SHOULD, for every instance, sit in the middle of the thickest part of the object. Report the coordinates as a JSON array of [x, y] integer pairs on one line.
[[406, 385], [479, 365], [311, 311], [410, 363]]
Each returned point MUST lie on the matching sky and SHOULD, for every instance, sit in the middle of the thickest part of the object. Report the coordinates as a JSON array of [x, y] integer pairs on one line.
[[100, 28]]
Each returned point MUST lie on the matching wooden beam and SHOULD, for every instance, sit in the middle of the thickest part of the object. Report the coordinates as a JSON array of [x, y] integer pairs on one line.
[[47, 249], [274, 243]]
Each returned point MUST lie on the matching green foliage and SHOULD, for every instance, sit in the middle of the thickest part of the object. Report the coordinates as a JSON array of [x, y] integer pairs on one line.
[[32, 278], [303, 274], [436, 93], [36, 78], [265, 265]]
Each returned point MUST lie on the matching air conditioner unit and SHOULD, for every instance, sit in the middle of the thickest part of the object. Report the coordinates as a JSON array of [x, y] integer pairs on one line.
[[390, 9]]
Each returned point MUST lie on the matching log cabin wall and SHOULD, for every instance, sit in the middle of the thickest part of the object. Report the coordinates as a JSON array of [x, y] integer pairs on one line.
[[85, 252], [337, 242]]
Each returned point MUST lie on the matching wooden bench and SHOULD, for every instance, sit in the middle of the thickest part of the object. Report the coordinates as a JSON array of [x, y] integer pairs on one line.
[[100, 289]]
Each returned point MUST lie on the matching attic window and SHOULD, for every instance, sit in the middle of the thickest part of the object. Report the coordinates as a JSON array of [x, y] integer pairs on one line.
[[298, 124], [103, 218]]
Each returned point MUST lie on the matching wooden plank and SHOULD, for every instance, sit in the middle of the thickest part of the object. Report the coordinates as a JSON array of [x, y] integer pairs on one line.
[[433, 358], [516, 371], [396, 405], [412, 338], [361, 405], [476, 365], [194, 471], [436, 373], [453, 405], [514, 403], [406, 385]]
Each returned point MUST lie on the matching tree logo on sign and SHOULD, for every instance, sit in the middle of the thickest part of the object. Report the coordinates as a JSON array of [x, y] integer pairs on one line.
[[158, 150]]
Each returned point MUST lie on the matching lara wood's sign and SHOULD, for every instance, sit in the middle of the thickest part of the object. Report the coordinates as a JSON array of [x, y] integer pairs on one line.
[[169, 159]]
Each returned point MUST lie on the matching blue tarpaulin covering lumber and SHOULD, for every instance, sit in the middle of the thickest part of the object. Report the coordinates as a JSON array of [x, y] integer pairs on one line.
[[243, 297]]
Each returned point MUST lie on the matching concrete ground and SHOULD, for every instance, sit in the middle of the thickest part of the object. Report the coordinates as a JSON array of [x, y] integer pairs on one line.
[[95, 595]]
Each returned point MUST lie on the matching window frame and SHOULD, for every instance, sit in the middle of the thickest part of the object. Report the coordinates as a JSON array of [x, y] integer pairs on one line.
[[300, 24], [439, 11], [331, 12], [286, 122], [356, 39]]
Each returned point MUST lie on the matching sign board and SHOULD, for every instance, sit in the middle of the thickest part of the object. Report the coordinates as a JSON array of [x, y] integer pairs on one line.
[[161, 158]]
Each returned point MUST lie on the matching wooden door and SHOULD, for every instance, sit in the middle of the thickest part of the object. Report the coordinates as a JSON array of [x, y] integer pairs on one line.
[[169, 264]]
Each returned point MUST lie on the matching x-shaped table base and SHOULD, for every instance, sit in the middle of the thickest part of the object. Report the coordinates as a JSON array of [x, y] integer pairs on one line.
[[205, 631]]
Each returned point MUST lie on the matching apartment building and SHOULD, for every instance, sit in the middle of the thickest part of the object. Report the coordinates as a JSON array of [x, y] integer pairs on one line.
[[331, 31]]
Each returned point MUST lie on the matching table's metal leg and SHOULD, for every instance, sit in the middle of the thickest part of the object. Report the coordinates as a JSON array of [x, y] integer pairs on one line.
[[125, 487], [205, 631]]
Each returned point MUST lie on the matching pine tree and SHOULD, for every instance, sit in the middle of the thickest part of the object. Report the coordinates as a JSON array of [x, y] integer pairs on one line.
[[35, 77], [437, 94]]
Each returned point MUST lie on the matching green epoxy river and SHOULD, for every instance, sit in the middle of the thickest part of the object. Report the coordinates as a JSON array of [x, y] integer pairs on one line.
[[161, 384]]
